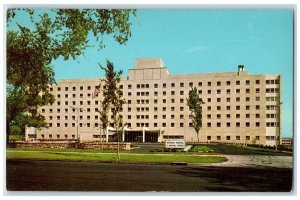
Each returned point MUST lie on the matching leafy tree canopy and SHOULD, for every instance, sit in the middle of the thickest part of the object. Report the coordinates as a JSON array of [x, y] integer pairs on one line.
[[51, 33]]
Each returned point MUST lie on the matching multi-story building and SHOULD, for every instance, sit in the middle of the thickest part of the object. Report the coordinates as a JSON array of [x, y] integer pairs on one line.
[[238, 107]]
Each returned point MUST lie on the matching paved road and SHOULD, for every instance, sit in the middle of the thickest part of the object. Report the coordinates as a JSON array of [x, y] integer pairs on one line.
[[257, 161], [87, 176]]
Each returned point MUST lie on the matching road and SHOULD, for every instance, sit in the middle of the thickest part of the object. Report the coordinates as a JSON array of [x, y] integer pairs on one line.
[[25, 175]]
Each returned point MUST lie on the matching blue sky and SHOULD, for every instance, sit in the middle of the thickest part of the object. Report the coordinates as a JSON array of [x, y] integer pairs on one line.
[[201, 41]]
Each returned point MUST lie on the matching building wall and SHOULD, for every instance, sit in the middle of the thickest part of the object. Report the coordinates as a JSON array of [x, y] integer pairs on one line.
[[239, 107]]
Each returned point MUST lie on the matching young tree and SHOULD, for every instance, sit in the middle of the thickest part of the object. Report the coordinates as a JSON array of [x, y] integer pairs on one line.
[[195, 104], [113, 97], [49, 34]]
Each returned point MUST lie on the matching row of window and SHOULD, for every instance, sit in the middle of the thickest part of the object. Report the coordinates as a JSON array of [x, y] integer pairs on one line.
[[50, 136], [209, 138], [228, 137], [209, 116], [164, 85], [164, 93], [172, 124]]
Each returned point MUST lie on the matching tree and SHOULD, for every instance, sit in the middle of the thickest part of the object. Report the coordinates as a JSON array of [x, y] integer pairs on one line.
[[113, 98], [194, 102], [52, 33]]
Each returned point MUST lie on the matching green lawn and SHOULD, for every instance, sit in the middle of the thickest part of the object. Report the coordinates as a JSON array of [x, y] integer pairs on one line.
[[112, 157], [135, 151]]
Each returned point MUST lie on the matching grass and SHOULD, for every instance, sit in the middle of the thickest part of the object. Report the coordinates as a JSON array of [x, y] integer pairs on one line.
[[125, 158], [135, 151], [201, 148]]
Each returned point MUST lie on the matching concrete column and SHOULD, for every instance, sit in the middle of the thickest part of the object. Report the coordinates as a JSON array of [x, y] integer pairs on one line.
[[106, 134], [143, 134], [123, 136]]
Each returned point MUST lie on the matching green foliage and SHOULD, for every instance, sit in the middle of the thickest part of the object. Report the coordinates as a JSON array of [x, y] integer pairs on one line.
[[52, 33], [194, 102], [112, 94]]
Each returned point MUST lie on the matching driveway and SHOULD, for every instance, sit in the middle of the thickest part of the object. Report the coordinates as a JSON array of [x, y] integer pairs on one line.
[[257, 161]]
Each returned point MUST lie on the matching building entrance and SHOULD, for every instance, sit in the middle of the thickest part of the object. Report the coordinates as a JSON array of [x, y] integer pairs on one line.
[[137, 136]]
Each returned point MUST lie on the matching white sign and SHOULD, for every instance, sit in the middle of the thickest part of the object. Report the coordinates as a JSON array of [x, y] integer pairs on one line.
[[175, 144]]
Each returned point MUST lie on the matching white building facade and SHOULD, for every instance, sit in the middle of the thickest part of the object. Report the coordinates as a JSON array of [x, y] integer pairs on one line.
[[238, 107]]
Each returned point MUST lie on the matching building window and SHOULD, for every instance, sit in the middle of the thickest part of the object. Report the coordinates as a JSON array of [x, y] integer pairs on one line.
[[257, 116], [257, 107], [181, 117], [209, 108], [218, 91], [227, 82], [208, 124], [247, 82], [208, 137], [247, 107], [247, 137], [237, 82], [257, 82], [247, 115], [218, 124], [181, 92], [191, 84], [237, 137], [257, 98], [218, 137], [238, 99], [218, 107], [257, 124], [199, 83], [209, 116], [247, 90], [208, 83], [228, 137], [247, 124], [228, 124], [181, 125], [208, 99], [181, 84], [218, 116], [237, 124], [247, 99]]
